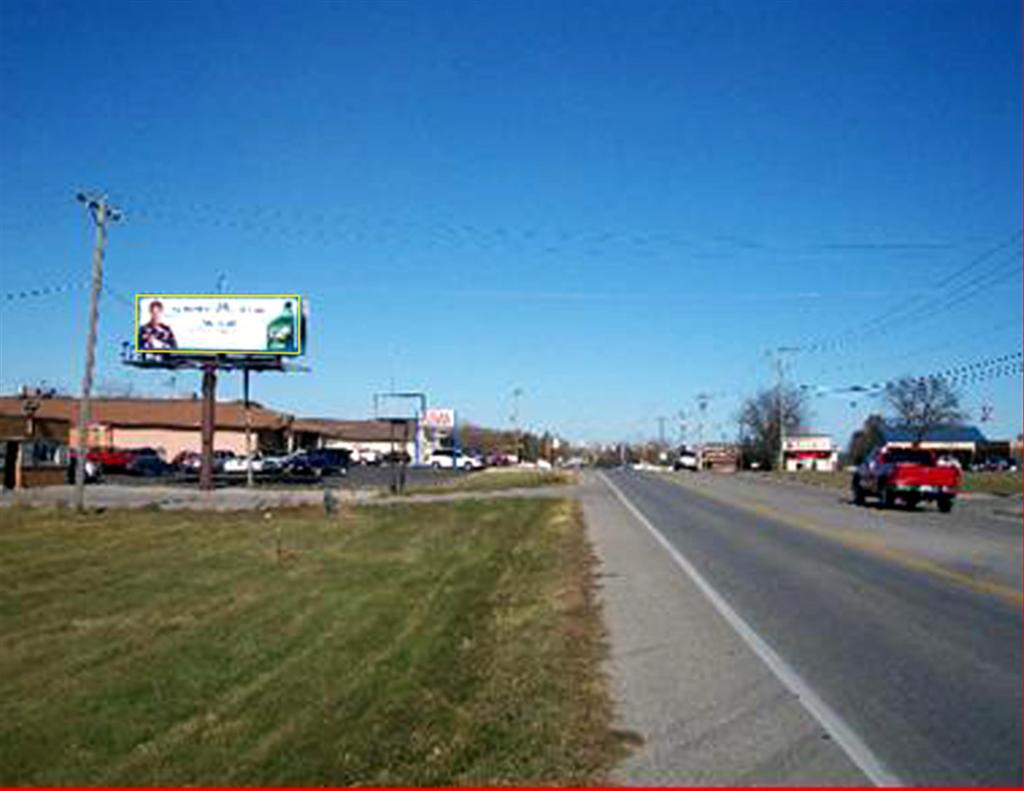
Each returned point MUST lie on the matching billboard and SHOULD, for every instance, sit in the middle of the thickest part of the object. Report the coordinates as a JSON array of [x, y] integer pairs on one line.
[[264, 324]]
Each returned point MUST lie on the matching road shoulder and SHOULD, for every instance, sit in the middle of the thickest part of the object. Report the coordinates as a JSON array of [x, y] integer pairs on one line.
[[710, 712]]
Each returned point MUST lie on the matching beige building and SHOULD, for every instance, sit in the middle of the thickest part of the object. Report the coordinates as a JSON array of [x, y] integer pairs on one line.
[[171, 426]]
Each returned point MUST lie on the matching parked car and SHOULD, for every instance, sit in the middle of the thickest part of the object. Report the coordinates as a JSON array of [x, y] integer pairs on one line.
[[995, 465], [445, 459], [239, 465], [370, 458], [93, 471], [298, 467], [136, 452], [148, 465], [186, 461], [191, 461], [330, 461], [910, 475], [110, 459], [396, 457]]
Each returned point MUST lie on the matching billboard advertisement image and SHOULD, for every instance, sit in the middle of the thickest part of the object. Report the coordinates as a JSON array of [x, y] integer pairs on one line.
[[264, 324]]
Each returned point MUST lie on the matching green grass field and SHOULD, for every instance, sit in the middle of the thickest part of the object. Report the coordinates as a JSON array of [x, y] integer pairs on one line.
[[1004, 483], [498, 479], [424, 644]]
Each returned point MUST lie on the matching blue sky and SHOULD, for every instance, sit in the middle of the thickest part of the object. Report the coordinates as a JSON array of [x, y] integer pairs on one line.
[[612, 205]]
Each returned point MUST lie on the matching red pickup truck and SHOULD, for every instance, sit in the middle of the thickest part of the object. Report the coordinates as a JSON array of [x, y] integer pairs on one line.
[[907, 474]]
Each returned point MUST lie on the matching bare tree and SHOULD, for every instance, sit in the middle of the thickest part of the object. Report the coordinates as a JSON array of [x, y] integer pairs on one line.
[[923, 404], [865, 439], [759, 421]]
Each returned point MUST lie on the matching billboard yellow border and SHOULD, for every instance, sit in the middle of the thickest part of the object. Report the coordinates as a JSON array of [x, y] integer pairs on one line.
[[203, 352]]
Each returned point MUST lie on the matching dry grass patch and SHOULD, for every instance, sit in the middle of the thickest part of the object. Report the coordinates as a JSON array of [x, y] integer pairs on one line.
[[499, 479], [426, 644]]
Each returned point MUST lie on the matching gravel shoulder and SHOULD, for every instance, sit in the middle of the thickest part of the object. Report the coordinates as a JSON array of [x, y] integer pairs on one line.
[[707, 709]]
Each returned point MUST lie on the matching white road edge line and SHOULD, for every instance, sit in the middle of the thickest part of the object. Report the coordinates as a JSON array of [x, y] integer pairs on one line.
[[836, 727]]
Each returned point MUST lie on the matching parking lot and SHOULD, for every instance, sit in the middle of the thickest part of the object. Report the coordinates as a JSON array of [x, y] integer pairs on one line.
[[357, 477]]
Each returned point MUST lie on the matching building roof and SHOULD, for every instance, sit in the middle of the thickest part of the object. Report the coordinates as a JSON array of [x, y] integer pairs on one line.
[[353, 430], [183, 413], [957, 434]]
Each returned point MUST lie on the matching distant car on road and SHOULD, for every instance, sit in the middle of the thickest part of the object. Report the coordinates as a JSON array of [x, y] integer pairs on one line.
[[686, 460], [910, 475]]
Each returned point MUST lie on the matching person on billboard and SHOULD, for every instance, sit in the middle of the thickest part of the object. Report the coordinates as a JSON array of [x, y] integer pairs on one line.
[[154, 334]]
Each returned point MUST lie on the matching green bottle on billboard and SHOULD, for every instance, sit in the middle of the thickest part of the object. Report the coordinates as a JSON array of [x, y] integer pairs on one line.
[[281, 331]]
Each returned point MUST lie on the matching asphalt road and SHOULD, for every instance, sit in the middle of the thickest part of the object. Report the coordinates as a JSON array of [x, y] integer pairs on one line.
[[926, 672]]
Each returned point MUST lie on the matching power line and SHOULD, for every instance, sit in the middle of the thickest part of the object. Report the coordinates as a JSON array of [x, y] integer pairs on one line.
[[963, 375], [43, 291], [916, 305], [961, 338]]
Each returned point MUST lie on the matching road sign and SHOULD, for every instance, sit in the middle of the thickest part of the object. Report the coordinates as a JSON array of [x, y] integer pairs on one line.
[[439, 418]]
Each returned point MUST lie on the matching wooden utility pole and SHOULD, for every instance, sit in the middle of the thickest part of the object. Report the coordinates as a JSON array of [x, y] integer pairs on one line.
[[101, 213], [780, 363]]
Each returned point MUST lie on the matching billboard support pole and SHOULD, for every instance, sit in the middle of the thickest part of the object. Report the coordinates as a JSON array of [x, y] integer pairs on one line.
[[248, 428], [209, 421], [394, 467]]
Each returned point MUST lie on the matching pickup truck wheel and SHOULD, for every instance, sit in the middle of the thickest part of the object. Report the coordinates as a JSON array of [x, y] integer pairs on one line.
[[945, 504], [858, 492]]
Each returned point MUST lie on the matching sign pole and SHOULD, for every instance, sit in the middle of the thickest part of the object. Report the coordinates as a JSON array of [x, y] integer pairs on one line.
[[455, 442], [209, 421]]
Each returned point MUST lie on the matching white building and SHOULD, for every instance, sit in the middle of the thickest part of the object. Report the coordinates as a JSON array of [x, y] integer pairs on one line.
[[367, 440], [810, 452]]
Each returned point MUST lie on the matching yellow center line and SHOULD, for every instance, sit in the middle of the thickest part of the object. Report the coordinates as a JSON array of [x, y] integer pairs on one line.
[[867, 544]]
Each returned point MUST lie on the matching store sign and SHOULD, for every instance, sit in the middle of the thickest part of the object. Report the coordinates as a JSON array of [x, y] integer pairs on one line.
[[264, 324], [439, 418], [798, 444]]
